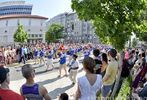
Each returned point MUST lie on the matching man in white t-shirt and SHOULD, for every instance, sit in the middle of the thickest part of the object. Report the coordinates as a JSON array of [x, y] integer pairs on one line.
[[73, 69]]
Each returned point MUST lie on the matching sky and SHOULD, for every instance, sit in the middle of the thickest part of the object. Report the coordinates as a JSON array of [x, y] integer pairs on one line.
[[48, 8]]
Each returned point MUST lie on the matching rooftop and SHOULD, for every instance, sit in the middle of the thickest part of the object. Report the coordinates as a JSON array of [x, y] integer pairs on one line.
[[22, 16]]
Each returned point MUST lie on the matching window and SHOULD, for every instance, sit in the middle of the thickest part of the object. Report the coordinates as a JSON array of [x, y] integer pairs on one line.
[[32, 35], [30, 22], [40, 35], [36, 35], [6, 22]]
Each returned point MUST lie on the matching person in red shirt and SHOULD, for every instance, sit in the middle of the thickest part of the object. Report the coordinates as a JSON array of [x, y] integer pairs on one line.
[[5, 92]]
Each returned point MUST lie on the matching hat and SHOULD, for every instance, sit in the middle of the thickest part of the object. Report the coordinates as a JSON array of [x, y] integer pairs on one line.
[[3, 74]]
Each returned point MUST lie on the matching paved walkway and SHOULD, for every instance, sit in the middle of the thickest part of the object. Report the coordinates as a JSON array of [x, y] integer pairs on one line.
[[54, 85]]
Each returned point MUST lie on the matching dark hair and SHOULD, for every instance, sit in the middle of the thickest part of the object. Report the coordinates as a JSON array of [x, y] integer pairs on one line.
[[89, 64], [113, 53], [104, 57], [75, 56], [63, 96], [96, 52]]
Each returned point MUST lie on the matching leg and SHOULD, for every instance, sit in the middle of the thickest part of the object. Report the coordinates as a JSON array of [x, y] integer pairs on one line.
[[70, 75], [65, 69], [74, 76], [60, 68]]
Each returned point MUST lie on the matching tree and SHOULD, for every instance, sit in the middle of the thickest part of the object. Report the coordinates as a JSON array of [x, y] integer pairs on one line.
[[20, 35], [114, 20], [142, 33], [54, 33], [134, 42]]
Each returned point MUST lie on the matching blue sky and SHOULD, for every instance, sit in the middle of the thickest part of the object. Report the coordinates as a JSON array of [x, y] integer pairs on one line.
[[48, 8]]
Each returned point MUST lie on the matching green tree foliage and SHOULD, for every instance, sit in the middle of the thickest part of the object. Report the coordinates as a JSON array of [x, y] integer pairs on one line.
[[54, 33], [114, 20], [134, 42], [20, 35], [142, 33]]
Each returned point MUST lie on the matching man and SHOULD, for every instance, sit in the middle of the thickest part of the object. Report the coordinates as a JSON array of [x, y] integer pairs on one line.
[[31, 90], [5, 92], [62, 63], [74, 65], [110, 75]]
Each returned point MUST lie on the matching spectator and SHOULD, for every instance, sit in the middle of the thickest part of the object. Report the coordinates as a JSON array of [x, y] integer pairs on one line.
[[111, 72], [90, 83], [5, 92], [98, 62], [104, 64], [31, 90], [64, 96]]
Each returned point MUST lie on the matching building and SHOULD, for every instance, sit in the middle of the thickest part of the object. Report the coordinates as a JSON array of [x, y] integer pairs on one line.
[[34, 25], [15, 7], [75, 29]]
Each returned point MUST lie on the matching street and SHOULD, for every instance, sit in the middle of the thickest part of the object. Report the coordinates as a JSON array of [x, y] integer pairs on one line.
[[48, 79]]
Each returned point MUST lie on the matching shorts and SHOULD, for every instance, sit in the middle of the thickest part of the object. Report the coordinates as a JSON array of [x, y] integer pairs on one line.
[[62, 66], [50, 62], [106, 90]]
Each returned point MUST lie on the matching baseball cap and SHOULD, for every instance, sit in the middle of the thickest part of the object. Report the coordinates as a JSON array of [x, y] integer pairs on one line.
[[3, 74]]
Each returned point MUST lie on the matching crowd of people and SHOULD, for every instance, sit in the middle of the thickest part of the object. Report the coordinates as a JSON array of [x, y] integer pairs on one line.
[[101, 70]]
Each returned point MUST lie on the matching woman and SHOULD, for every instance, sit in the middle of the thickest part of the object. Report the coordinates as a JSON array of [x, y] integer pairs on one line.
[[104, 64], [90, 83]]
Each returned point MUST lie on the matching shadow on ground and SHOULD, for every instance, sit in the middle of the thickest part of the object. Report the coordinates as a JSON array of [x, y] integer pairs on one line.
[[55, 93]]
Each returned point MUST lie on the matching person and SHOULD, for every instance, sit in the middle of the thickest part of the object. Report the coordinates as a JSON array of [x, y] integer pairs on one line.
[[36, 53], [41, 56], [74, 65], [31, 90], [104, 64], [110, 75], [96, 53], [22, 55], [5, 92], [64, 96], [50, 59], [62, 63], [89, 84]]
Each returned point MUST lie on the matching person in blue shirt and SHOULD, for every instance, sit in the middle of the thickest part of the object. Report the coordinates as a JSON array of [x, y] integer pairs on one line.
[[86, 53], [62, 63], [42, 54], [71, 53], [36, 52], [50, 59]]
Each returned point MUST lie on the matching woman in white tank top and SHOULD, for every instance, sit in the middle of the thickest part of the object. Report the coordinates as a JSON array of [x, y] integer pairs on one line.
[[90, 83]]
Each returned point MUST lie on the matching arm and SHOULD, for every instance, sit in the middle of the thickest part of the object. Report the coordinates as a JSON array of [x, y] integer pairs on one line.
[[108, 73], [78, 93], [22, 94], [44, 93]]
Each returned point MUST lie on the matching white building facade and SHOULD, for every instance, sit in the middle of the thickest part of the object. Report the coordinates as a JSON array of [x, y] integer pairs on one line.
[[75, 29], [34, 25]]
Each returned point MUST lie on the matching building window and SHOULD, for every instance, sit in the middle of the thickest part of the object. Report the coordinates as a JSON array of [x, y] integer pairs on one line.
[[32, 35], [30, 22], [36, 35], [29, 30], [40, 30], [7, 23], [5, 31], [40, 35]]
